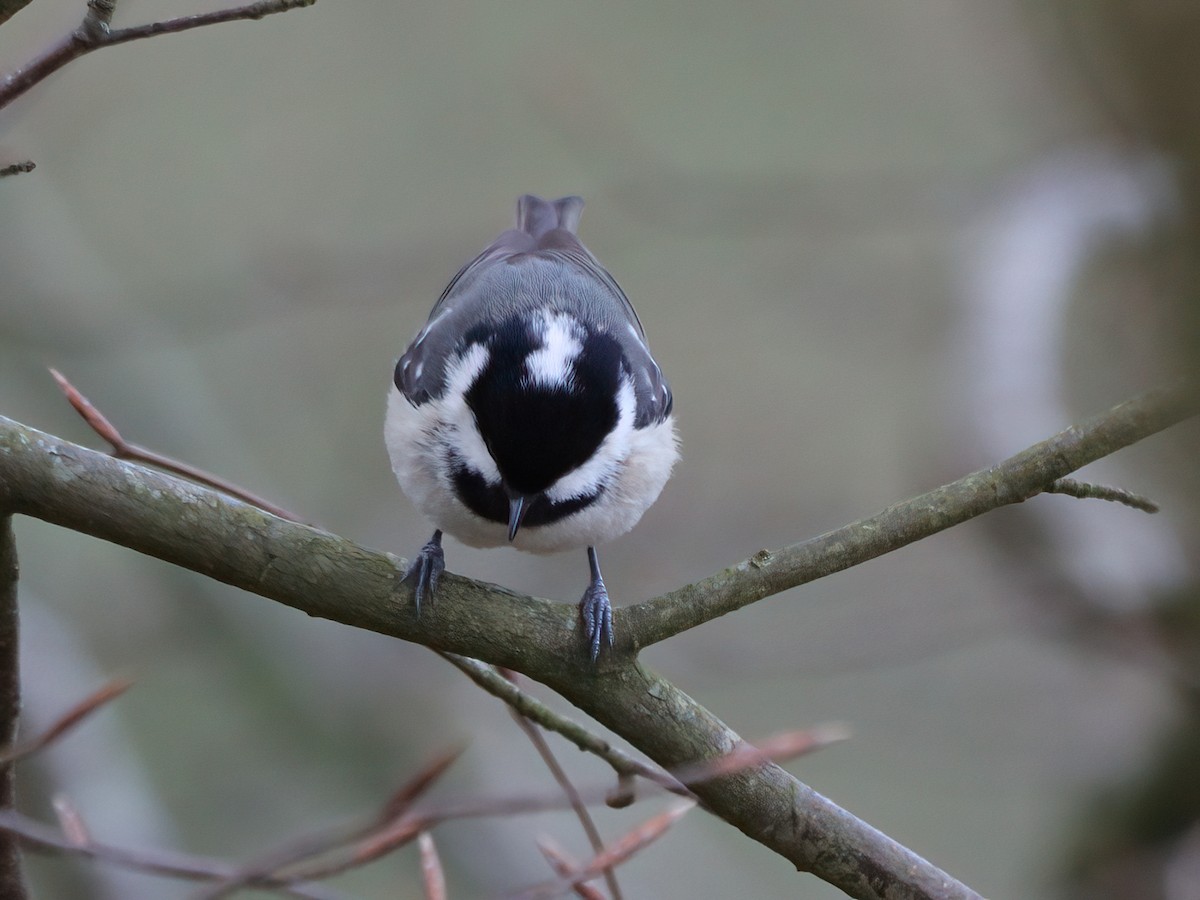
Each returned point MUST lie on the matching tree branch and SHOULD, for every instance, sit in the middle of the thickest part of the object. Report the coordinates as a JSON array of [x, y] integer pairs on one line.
[[123, 449], [9, 8], [94, 32], [1015, 480], [12, 882], [323, 575]]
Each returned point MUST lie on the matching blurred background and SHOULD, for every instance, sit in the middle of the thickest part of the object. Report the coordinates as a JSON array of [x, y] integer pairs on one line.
[[875, 246]]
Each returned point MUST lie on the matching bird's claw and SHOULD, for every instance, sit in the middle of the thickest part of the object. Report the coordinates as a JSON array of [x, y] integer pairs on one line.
[[425, 571], [596, 613]]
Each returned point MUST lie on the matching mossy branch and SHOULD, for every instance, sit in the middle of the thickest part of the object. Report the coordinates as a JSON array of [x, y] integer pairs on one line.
[[324, 575], [1038, 469]]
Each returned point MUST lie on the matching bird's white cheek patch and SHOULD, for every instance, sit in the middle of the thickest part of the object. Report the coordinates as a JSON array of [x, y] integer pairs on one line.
[[462, 434], [609, 456]]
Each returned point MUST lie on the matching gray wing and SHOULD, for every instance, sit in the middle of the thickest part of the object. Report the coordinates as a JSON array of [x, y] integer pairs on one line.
[[525, 267], [421, 371]]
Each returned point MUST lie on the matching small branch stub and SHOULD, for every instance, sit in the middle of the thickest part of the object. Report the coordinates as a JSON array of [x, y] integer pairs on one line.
[[1085, 490]]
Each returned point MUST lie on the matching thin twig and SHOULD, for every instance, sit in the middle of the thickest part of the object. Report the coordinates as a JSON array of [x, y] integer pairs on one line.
[[270, 867], [778, 748], [127, 450], [535, 711], [1086, 490], [37, 836], [380, 838], [71, 821], [17, 168], [619, 852], [68, 720], [572, 794], [93, 33], [431, 868], [566, 867]]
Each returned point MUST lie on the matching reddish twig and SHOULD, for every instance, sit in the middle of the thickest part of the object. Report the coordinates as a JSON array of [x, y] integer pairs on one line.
[[272, 867], [566, 867], [127, 450], [38, 836], [68, 720], [777, 748], [635, 840], [617, 853], [396, 826], [71, 822], [431, 868]]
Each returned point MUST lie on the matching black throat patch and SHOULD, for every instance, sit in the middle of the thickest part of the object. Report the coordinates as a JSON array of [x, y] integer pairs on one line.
[[538, 432]]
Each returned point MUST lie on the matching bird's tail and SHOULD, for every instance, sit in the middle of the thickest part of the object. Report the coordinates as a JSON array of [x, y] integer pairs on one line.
[[536, 216]]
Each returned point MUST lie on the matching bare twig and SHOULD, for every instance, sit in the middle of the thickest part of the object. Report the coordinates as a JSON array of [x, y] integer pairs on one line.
[[529, 707], [38, 836], [634, 841], [566, 867], [17, 168], [382, 836], [572, 794], [270, 867], [123, 449], [431, 868], [70, 820], [777, 748], [68, 720], [620, 851], [94, 32], [1085, 490]]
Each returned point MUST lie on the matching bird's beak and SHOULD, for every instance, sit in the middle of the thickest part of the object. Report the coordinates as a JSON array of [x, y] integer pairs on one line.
[[518, 505]]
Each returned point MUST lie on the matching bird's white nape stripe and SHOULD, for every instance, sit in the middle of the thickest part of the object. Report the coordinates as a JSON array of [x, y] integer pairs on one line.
[[609, 456], [551, 364], [463, 432]]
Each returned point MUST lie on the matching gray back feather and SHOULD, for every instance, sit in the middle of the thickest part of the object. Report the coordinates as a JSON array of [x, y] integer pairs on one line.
[[539, 263]]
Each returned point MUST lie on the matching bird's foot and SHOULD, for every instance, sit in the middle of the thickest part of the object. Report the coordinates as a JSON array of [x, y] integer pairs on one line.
[[596, 613], [426, 570]]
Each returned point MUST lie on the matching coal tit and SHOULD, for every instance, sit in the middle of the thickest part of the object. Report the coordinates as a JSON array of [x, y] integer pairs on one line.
[[529, 410]]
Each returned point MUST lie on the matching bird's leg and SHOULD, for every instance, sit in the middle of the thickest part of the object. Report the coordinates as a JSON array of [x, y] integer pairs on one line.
[[595, 610], [425, 570]]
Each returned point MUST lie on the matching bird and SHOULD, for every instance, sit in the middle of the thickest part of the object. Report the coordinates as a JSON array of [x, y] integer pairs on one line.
[[528, 410]]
